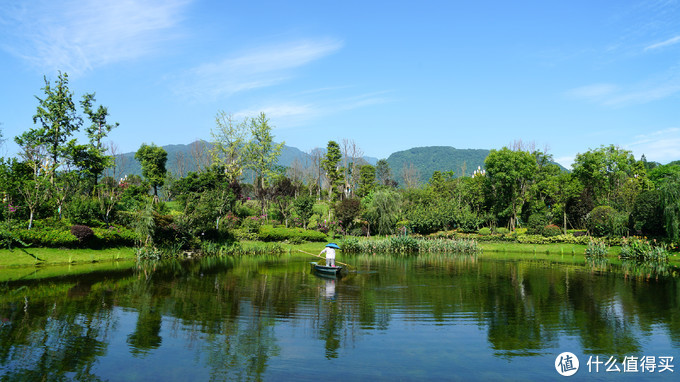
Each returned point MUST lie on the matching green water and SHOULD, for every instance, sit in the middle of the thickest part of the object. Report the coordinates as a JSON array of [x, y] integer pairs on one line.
[[392, 318]]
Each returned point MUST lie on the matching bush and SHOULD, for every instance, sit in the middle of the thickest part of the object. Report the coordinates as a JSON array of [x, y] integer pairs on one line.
[[115, 236], [486, 231], [551, 230], [606, 221], [269, 233], [521, 231], [47, 237], [83, 233], [537, 221], [82, 210], [502, 231]]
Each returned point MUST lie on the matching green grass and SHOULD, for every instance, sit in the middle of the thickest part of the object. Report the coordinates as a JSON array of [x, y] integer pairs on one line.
[[51, 256], [61, 270]]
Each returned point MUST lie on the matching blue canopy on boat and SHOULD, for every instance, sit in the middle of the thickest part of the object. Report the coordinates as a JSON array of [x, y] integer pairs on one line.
[[333, 245]]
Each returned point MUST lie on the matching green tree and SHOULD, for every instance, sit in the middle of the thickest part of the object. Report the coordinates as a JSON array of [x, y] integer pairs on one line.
[[228, 145], [153, 160], [611, 175], [262, 154], [383, 209], [304, 208], [92, 158], [58, 120], [346, 211], [366, 180], [565, 188], [330, 166], [670, 191], [383, 173], [283, 194], [510, 175]]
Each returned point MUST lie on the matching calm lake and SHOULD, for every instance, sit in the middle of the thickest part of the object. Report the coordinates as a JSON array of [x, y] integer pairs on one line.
[[486, 317]]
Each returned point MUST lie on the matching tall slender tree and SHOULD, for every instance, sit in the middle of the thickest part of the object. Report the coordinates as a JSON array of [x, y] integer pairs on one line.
[[330, 165], [94, 154], [228, 145], [262, 155], [57, 120]]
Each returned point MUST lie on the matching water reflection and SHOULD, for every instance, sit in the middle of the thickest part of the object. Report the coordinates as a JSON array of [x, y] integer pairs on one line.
[[268, 317]]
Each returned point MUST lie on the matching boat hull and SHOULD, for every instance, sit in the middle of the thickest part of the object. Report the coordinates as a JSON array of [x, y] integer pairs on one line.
[[324, 269]]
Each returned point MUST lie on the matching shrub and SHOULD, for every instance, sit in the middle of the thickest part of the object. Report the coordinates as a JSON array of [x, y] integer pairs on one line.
[[47, 237], [551, 230], [269, 233], [115, 236], [82, 232], [502, 231], [537, 221], [521, 231], [252, 223], [82, 210], [606, 221], [486, 231]]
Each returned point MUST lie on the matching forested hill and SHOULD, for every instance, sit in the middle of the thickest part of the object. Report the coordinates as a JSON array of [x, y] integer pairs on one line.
[[185, 158], [422, 161], [427, 160]]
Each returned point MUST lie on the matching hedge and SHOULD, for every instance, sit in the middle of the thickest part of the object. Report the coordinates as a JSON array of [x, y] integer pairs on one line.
[[112, 236], [269, 233]]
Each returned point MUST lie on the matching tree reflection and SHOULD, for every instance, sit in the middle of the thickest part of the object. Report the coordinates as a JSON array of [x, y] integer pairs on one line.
[[228, 310]]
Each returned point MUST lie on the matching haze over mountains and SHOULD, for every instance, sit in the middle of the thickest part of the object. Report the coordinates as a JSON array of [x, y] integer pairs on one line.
[[422, 161]]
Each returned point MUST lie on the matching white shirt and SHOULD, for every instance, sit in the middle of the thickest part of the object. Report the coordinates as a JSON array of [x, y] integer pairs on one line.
[[330, 252]]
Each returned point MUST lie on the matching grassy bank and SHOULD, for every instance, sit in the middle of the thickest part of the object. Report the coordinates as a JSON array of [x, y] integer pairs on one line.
[[19, 257], [31, 257]]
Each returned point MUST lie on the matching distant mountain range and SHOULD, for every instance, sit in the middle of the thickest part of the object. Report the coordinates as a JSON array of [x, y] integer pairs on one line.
[[422, 161]]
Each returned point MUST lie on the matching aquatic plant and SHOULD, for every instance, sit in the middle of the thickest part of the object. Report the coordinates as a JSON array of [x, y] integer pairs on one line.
[[409, 245], [641, 249], [597, 248]]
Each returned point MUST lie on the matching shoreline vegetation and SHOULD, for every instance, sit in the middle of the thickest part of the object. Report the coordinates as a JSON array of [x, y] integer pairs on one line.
[[17, 265], [396, 245], [65, 199]]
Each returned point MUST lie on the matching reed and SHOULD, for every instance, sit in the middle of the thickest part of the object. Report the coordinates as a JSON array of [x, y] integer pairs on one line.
[[409, 245]]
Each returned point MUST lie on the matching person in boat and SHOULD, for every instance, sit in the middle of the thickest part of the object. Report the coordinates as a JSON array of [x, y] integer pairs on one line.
[[330, 254]]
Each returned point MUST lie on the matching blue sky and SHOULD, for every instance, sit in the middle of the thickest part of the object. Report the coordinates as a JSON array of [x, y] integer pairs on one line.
[[568, 76]]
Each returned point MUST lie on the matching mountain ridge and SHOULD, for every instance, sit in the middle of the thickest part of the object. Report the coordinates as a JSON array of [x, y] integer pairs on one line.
[[183, 158]]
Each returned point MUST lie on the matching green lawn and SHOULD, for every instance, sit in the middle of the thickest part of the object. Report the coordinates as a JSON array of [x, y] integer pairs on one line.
[[52, 256]]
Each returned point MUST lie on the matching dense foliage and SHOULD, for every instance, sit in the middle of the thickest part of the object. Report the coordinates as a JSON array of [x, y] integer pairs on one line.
[[63, 193]]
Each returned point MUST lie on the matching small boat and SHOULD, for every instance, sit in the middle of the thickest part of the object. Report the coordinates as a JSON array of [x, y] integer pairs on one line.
[[322, 269]]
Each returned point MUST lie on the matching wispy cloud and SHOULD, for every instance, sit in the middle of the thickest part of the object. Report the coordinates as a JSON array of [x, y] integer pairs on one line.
[[594, 92], [263, 67], [663, 44], [79, 35], [653, 89], [295, 113], [661, 146]]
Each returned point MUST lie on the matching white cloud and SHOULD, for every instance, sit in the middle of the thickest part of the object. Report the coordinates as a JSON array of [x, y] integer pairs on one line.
[[660, 146], [266, 66], [663, 44], [78, 35]]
